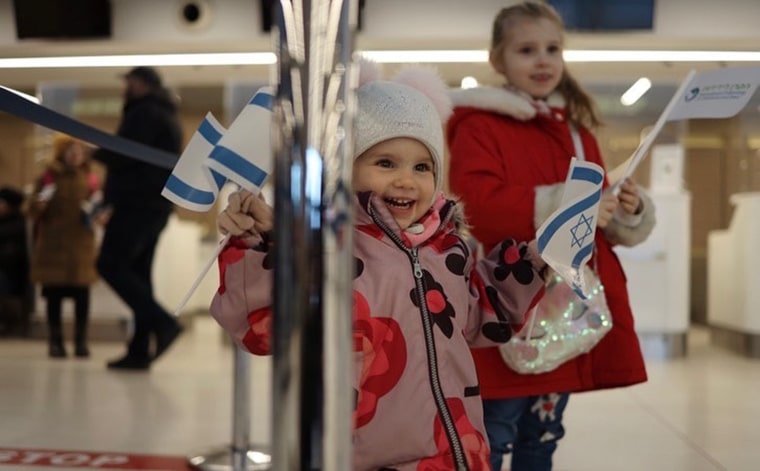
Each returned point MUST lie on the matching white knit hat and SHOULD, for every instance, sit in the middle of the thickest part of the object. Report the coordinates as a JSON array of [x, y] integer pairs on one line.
[[414, 104]]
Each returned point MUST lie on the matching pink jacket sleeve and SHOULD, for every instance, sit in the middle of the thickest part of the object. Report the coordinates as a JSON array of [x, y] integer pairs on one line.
[[242, 304], [505, 284]]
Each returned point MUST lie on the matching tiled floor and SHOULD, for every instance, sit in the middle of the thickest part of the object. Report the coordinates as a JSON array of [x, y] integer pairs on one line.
[[700, 413]]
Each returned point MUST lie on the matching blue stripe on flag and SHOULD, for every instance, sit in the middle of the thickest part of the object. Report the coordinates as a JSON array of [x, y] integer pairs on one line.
[[263, 100], [209, 132], [188, 192], [582, 254], [239, 165], [219, 179], [566, 215], [587, 174]]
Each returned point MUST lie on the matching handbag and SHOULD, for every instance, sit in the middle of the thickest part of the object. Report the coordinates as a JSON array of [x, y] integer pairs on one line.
[[562, 326]]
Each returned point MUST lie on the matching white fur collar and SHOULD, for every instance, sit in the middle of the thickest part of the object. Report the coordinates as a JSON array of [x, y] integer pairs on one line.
[[500, 100]]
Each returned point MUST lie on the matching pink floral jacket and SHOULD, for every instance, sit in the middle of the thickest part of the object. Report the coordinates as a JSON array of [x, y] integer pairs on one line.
[[418, 308]]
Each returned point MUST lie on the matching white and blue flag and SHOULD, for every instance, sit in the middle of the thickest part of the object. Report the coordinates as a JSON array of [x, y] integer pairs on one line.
[[566, 238], [244, 153], [191, 184]]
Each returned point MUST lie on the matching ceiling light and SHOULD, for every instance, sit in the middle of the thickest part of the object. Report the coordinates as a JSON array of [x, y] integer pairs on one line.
[[390, 56], [469, 82], [132, 60], [637, 90]]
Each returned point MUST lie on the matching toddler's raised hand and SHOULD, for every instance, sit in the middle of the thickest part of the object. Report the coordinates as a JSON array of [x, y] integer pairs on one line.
[[245, 215]]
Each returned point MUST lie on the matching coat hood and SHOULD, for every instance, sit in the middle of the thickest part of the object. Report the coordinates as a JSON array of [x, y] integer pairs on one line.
[[503, 101]]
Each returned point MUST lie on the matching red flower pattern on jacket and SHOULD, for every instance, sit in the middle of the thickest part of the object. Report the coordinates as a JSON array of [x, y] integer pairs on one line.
[[473, 444], [232, 253], [258, 339], [383, 349]]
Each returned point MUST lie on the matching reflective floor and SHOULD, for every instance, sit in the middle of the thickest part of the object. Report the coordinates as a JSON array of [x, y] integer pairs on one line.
[[700, 413]]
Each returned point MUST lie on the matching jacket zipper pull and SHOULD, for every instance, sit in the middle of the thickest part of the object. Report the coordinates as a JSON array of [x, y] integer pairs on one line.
[[416, 265]]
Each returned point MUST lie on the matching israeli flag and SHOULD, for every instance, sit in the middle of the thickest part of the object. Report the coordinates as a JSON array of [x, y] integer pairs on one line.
[[244, 153], [566, 238], [191, 184]]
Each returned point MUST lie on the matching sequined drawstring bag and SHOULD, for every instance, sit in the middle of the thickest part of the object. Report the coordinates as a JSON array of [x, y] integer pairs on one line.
[[561, 326]]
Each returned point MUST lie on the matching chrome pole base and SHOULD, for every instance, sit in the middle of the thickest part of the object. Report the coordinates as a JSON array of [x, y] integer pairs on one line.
[[228, 459]]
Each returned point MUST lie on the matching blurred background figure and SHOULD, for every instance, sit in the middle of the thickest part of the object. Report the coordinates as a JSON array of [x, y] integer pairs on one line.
[[139, 215], [16, 292], [64, 247]]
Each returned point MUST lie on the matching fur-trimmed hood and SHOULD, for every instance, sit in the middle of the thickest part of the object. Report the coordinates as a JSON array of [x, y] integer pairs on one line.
[[503, 101]]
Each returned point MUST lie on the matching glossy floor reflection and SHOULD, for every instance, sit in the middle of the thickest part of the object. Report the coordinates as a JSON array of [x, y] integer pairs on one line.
[[700, 413]]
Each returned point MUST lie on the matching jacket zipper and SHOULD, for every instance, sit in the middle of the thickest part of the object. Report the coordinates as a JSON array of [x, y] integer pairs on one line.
[[435, 383]]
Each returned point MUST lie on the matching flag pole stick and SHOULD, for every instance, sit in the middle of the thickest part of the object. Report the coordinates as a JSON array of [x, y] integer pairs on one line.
[[202, 275], [647, 142]]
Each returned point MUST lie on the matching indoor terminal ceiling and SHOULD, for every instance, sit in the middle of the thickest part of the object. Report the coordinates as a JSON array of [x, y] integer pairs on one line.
[[158, 26]]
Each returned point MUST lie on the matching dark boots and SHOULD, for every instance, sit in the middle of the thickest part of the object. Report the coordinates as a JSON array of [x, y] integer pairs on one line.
[[80, 338], [55, 346], [57, 350], [81, 296]]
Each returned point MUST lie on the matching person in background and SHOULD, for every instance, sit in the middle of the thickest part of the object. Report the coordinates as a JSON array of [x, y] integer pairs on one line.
[[420, 297], [139, 214], [15, 285], [64, 247], [510, 149]]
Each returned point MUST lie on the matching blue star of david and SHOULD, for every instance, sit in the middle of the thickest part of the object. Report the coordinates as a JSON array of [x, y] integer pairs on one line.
[[583, 225]]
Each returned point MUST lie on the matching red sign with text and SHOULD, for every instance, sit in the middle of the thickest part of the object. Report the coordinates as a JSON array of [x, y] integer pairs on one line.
[[86, 460]]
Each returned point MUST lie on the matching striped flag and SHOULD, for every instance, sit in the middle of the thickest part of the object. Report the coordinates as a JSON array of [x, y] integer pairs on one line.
[[191, 184], [244, 153], [566, 238]]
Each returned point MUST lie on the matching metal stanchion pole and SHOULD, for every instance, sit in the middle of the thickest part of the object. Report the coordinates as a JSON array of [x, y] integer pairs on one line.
[[312, 361], [311, 343], [240, 455]]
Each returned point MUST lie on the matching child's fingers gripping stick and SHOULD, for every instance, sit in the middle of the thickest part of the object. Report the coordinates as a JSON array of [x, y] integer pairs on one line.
[[234, 220], [263, 214]]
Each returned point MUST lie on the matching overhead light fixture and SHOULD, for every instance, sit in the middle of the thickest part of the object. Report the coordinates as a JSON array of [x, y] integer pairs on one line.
[[636, 91], [469, 82], [389, 56], [132, 60]]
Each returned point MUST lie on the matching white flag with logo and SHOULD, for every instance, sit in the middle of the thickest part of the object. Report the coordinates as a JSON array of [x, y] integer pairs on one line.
[[718, 93], [566, 238]]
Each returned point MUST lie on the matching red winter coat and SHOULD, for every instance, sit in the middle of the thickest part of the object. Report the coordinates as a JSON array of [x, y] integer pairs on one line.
[[508, 165]]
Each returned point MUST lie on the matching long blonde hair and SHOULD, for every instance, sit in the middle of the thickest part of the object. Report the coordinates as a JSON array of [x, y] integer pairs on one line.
[[580, 107]]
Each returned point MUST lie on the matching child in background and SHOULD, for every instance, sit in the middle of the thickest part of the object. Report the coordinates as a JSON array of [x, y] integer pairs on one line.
[[420, 298], [64, 249], [15, 286], [510, 152]]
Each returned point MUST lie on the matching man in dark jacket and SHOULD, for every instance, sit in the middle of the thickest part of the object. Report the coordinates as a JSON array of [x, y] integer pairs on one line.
[[139, 213], [16, 290]]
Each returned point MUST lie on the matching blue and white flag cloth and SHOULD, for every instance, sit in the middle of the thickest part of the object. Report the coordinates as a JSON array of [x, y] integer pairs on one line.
[[191, 184], [566, 238], [244, 153]]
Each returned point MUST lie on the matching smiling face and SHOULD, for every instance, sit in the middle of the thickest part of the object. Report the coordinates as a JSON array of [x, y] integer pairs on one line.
[[530, 57], [401, 172]]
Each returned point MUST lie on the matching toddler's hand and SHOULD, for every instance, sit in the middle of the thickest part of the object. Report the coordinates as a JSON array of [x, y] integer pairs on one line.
[[246, 215], [607, 207]]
